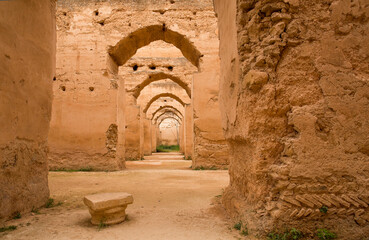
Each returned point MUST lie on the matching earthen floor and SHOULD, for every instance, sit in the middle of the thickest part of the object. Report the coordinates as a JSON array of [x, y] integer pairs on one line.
[[170, 202]]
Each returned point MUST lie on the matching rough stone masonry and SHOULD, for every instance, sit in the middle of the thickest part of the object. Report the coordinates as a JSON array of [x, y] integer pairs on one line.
[[294, 101]]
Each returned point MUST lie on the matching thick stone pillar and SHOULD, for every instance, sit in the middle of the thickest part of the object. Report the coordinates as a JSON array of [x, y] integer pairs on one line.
[[27, 68], [153, 137], [121, 124], [188, 131], [147, 137], [210, 147], [133, 126], [142, 132], [181, 138], [158, 135], [295, 109]]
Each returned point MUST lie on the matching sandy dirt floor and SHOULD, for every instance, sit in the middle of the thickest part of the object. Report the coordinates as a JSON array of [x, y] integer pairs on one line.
[[170, 202]]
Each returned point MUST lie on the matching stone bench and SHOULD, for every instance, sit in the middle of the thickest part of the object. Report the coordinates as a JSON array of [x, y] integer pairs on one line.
[[108, 208]]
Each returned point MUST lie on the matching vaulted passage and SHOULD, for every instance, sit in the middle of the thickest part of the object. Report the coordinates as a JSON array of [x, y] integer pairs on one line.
[[162, 95], [157, 77], [127, 47], [225, 119]]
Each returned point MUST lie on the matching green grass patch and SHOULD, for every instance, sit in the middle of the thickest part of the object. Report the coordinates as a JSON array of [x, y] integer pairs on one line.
[[17, 215], [84, 169], [8, 228], [51, 203], [324, 234], [242, 228], [167, 148], [292, 234], [35, 210], [102, 225], [200, 168], [238, 226], [323, 209]]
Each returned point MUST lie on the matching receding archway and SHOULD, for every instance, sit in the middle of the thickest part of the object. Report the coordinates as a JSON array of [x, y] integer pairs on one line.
[[128, 46], [161, 120], [163, 95], [168, 113], [157, 77], [165, 108]]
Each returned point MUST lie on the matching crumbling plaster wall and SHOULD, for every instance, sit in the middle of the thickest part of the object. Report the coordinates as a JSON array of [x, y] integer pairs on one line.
[[163, 86], [27, 66], [210, 149], [169, 132], [294, 97], [86, 95]]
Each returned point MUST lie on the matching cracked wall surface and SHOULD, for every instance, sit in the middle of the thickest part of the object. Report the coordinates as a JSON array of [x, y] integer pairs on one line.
[[27, 66], [294, 99], [91, 43]]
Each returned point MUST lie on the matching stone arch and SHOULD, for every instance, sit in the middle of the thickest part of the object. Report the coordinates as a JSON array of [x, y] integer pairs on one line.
[[128, 46], [166, 107], [169, 117], [157, 77], [166, 113], [171, 95]]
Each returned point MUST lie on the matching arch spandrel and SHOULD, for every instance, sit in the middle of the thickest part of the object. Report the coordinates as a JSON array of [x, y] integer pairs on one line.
[[163, 108], [169, 118], [168, 115], [157, 77], [168, 112], [163, 95], [128, 46]]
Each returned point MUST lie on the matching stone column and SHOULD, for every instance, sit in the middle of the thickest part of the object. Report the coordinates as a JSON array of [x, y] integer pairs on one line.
[[158, 135], [142, 132], [121, 124], [153, 137], [27, 68], [210, 148], [147, 136], [181, 138], [132, 130], [188, 131]]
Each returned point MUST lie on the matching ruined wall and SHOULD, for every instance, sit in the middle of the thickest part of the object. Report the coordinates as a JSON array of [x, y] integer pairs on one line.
[[86, 99], [169, 132], [295, 116], [147, 137], [210, 148], [27, 62], [188, 131], [153, 137]]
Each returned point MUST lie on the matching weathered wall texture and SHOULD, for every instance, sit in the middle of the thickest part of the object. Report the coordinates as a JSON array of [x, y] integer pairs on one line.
[[27, 60], [210, 147], [87, 96], [297, 113], [169, 132]]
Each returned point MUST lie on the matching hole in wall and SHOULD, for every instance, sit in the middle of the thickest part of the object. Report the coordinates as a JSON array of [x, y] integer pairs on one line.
[[129, 24], [91, 89], [194, 13], [172, 1], [64, 13], [135, 67], [96, 12], [63, 88], [102, 22], [54, 78], [170, 68], [152, 67]]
